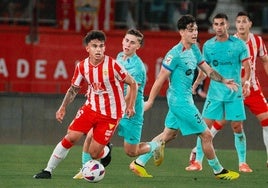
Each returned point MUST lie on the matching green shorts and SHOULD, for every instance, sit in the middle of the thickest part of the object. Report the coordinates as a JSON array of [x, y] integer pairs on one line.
[[185, 118], [130, 130]]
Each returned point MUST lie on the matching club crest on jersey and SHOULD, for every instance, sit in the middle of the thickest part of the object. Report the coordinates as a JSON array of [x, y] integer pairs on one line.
[[105, 72]]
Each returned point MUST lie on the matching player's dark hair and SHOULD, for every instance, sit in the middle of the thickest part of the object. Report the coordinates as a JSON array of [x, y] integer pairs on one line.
[[138, 34], [94, 34], [243, 13], [221, 15], [185, 20]]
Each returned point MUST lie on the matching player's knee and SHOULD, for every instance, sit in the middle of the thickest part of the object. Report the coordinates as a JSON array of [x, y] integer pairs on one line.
[[131, 153], [206, 136], [237, 127]]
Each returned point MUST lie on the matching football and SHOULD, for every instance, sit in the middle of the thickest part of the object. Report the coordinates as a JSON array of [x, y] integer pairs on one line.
[[93, 171]]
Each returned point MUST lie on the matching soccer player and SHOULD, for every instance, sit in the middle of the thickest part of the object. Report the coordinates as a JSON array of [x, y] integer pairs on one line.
[[130, 128], [178, 67], [256, 101], [104, 106], [226, 54]]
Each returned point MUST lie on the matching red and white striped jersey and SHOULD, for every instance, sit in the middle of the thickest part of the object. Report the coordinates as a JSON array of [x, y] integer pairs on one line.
[[105, 85], [256, 48]]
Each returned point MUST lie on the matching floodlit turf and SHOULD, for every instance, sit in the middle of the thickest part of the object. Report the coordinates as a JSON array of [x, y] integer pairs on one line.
[[18, 163]]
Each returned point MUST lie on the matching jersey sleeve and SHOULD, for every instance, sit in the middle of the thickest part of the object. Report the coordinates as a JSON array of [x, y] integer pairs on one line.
[[262, 51], [244, 55], [169, 62], [120, 71], [198, 54], [78, 78]]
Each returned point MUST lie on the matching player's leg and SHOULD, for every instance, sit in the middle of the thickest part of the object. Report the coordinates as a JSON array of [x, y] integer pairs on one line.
[[85, 154], [264, 124], [197, 164], [59, 153], [96, 144], [131, 144], [257, 104], [216, 127], [137, 166], [219, 171], [145, 149], [104, 156], [133, 150], [235, 112], [130, 129], [265, 138], [240, 146], [76, 130]]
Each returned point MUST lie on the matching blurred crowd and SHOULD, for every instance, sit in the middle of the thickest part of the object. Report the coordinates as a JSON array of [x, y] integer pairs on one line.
[[155, 15]]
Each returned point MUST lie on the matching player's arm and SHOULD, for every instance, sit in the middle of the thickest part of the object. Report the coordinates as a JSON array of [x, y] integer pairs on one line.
[[265, 63], [214, 75], [199, 79], [69, 97], [161, 78], [131, 95], [246, 77]]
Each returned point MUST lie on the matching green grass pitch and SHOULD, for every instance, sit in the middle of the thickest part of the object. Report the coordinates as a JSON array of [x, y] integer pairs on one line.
[[18, 163]]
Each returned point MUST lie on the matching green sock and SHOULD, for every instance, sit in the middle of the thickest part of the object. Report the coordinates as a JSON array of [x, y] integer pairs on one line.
[[240, 146], [143, 159], [199, 151], [85, 157], [215, 165], [153, 145]]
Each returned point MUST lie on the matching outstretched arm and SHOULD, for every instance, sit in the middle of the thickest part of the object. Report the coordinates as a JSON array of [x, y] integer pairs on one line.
[[161, 78], [214, 75]]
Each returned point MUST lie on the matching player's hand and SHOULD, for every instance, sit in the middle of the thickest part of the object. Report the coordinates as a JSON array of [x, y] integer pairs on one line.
[[147, 105], [130, 112], [60, 114], [194, 87], [246, 90], [231, 84]]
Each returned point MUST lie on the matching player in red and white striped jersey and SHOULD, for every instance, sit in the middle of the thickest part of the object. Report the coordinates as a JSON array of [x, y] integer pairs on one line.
[[104, 106], [256, 101]]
